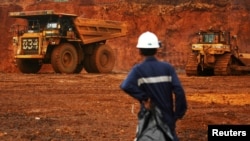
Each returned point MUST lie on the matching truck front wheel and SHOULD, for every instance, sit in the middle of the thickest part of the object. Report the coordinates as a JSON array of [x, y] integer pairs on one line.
[[103, 59], [28, 65], [64, 58]]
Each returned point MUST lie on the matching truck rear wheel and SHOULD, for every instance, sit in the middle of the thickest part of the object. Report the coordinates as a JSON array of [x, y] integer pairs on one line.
[[64, 58], [28, 65], [103, 59], [80, 63]]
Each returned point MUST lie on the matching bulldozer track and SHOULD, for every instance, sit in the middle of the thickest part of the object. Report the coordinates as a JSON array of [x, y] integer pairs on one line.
[[191, 67], [221, 66]]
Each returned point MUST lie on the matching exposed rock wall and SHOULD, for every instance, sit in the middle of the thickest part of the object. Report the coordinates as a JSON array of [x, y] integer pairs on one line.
[[175, 23], [6, 53]]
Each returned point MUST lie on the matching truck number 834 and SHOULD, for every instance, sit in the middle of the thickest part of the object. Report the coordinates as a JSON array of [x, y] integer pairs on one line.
[[30, 43]]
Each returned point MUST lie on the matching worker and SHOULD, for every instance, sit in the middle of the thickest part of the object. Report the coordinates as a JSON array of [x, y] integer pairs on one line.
[[154, 81]]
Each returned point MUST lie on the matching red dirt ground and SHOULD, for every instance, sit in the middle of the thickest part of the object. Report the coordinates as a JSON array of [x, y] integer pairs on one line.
[[91, 107]]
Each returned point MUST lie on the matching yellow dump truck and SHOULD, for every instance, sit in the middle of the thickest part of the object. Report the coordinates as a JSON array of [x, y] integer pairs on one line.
[[68, 42]]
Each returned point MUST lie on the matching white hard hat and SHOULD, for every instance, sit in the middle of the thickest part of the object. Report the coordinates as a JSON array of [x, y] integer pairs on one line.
[[148, 40]]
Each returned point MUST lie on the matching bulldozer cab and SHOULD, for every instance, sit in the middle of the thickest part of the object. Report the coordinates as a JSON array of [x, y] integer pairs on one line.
[[208, 38], [214, 37]]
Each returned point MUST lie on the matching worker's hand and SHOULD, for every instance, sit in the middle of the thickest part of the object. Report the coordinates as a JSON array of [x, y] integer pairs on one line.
[[147, 104]]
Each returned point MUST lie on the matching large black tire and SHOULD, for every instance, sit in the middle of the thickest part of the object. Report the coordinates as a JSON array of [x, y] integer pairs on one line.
[[64, 58], [28, 65], [103, 59], [80, 65], [87, 64]]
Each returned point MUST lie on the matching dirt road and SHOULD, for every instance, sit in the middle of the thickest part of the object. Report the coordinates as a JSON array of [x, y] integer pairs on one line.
[[91, 107]]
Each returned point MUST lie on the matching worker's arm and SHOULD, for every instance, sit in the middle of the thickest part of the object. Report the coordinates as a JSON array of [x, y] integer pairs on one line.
[[130, 86]]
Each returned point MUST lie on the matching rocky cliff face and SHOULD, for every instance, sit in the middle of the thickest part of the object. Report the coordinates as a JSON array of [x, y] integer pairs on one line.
[[175, 23]]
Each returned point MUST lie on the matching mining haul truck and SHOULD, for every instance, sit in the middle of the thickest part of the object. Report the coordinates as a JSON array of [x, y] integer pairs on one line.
[[217, 53], [66, 41]]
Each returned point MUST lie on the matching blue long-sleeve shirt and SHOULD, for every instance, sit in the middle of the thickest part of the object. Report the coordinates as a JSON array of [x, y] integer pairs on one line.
[[158, 81]]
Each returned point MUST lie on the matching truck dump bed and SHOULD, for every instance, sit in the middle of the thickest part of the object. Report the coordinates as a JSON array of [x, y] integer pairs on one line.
[[94, 30]]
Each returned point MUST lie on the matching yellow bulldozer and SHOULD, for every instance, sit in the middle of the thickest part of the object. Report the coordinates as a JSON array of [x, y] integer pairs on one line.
[[217, 54]]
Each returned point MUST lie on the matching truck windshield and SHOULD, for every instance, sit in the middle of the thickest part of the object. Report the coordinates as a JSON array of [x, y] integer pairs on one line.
[[52, 25]]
